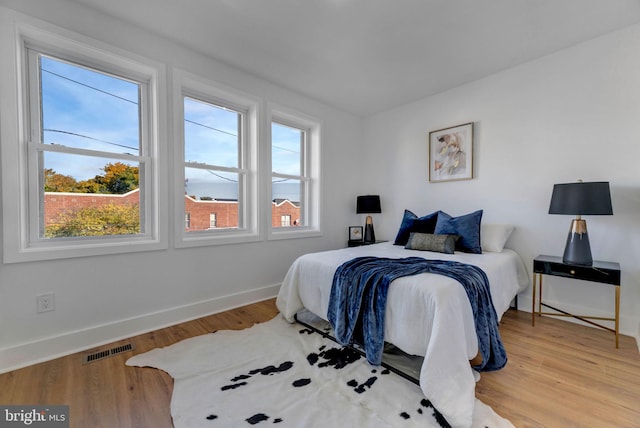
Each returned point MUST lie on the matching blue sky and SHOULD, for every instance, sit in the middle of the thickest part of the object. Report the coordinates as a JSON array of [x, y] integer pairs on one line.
[[85, 109], [103, 115]]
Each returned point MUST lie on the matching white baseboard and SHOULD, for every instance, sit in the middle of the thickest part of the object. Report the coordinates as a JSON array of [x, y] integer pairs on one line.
[[30, 353]]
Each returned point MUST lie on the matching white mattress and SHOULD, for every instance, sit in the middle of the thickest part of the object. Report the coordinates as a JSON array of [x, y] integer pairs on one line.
[[426, 314]]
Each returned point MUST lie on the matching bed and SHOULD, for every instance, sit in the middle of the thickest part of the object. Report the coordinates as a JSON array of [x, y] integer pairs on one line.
[[426, 315]]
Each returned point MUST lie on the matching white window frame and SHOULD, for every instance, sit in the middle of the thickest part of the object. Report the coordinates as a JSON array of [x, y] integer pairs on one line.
[[311, 199], [20, 179], [205, 90]]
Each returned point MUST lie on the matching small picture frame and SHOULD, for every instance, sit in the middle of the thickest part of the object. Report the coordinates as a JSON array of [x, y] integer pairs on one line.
[[355, 233], [451, 153]]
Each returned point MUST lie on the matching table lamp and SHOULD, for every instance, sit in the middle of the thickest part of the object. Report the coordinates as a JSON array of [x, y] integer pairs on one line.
[[580, 199], [368, 204]]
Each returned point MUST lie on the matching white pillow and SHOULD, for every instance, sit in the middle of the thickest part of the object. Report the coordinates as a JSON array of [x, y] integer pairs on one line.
[[494, 236]]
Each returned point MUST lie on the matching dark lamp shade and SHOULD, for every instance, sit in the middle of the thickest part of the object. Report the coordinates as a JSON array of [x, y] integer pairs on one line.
[[581, 199], [369, 204]]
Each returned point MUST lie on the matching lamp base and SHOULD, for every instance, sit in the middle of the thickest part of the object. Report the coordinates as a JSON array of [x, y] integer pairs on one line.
[[577, 250], [369, 234]]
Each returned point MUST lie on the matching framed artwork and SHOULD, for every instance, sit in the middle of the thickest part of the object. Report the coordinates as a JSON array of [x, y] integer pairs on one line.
[[451, 153], [355, 233]]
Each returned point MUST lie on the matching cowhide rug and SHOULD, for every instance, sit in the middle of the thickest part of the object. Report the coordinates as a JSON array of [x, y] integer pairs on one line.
[[285, 374]]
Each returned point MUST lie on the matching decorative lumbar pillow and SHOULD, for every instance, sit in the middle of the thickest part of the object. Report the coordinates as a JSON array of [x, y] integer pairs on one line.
[[493, 237], [413, 223], [430, 242], [467, 227]]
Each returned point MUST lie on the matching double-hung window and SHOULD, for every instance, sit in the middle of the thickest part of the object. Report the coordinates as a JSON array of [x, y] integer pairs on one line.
[[295, 180], [87, 153], [217, 129], [85, 148], [289, 183]]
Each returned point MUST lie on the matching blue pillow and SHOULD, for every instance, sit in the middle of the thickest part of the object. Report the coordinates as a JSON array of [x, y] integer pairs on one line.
[[466, 226], [413, 223]]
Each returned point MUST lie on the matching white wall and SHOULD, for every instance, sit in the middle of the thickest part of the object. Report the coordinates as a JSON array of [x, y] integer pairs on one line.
[[567, 116], [570, 115], [99, 299]]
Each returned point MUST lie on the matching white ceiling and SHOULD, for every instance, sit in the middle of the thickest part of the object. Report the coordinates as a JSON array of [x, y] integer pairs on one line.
[[366, 56]]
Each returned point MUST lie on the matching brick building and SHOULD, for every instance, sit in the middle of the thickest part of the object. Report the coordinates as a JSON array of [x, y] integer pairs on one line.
[[199, 214], [56, 203]]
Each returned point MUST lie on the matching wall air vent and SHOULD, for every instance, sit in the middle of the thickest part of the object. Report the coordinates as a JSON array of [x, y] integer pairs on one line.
[[100, 355]]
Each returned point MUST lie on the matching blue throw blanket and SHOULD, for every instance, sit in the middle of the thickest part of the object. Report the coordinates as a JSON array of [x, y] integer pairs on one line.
[[359, 295]]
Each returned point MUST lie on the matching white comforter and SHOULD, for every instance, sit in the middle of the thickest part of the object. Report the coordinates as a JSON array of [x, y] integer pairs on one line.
[[433, 320]]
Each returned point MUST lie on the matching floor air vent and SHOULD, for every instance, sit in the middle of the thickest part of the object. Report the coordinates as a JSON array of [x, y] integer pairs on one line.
[[99, 355]]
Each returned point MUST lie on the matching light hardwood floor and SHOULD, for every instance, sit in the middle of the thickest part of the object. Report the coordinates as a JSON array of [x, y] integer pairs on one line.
[[559, 374]]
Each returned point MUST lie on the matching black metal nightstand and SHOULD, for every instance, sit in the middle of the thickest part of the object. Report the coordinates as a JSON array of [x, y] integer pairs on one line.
[[602, 272]]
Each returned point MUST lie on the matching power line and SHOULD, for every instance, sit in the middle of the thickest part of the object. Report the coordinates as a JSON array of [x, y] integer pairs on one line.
[[90, 87], [89, 138], [285, 149], [211, 127], [221, 176], [136, 103], [123, 99], [132, 102]]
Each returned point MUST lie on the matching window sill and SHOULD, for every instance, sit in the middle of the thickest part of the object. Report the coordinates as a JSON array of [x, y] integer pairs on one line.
[[205, 239], [293, 233], [74, 250]]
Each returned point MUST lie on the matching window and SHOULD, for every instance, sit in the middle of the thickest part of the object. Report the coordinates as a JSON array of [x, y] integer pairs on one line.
[[86, 149], [218, 162], [187, 220], [213, 170], [295, 181], [288, 182]]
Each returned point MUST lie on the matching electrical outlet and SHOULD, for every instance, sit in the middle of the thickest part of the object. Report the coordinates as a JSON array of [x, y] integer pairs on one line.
[[45, 303]]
